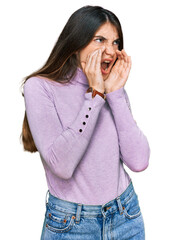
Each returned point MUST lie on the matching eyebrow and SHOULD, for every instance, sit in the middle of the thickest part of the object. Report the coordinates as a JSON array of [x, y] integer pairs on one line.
[[100, 37], [105, 38]]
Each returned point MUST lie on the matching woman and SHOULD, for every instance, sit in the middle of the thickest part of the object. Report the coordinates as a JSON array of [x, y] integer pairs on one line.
[[78, 118]]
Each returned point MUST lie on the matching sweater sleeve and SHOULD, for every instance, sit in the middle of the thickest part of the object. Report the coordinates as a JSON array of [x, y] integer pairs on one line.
[[61, 149], [134, 146]]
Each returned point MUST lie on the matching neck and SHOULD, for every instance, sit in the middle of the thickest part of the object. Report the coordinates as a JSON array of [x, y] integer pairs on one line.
[[81, 77]]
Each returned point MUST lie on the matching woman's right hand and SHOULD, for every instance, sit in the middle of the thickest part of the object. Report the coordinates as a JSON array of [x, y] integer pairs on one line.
[[92, 70]]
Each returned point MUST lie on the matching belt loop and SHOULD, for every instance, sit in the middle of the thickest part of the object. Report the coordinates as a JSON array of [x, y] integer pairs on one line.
[[78, 212], [119, 205], [46, 200]]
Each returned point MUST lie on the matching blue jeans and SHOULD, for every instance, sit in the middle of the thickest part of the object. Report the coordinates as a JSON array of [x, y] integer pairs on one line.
[[118, 219]]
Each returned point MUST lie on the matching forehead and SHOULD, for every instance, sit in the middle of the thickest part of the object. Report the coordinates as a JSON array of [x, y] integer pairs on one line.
[[107, 30]]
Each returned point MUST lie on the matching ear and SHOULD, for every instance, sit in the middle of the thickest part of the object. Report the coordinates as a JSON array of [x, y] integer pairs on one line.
[[83, 64]]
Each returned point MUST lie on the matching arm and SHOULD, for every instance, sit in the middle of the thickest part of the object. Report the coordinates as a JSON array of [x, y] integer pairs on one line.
[[61, 149], [134, 147]]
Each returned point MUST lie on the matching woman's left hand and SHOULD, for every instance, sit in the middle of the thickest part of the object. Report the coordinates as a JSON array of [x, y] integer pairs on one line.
[[119, 72]]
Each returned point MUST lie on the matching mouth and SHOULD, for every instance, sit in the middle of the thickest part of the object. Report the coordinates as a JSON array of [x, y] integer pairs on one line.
[[106, 65]]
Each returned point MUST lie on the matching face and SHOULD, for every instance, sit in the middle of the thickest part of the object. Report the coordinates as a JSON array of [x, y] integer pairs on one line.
[[107, 36]]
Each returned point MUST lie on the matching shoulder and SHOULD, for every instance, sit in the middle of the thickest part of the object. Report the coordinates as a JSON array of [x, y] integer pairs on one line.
[[36, 81], [37, 85]]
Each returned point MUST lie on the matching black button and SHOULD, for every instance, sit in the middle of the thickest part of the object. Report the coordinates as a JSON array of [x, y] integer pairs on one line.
[[105, 209], [87, 116], [89, 108], [84, 123], [80, 130]]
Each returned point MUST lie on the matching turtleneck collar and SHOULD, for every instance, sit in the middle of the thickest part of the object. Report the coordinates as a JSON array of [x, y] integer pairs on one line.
[[81, 77]]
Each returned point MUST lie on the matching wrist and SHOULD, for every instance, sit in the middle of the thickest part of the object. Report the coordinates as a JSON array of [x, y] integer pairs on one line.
[[101, 90], [108, 90], [95, 92]]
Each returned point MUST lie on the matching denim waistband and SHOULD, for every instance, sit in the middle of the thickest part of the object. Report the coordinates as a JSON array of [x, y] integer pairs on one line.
[[91, 210]]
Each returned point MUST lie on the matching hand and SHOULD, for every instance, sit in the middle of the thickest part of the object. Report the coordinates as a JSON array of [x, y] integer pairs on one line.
[[119, 72], [93, 71]]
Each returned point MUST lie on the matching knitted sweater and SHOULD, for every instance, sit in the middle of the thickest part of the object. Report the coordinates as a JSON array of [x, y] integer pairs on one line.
[[83, 142]]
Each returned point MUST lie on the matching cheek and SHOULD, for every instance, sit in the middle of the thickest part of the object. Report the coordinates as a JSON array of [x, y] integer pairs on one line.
[[83, 55], [85, 52]]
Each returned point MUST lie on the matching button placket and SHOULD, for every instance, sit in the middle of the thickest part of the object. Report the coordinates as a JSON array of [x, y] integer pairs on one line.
[[87, 116]]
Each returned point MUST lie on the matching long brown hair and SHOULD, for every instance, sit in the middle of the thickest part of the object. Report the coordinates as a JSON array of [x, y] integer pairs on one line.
[[62, 63]]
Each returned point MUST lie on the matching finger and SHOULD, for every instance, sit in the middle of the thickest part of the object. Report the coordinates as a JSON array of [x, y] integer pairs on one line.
[[127, 70], [98, 60], [125, 65], [117, 64], [122, 62], [124, 59], [129, 60], [122, 66], [124, 55], [118, 60], [102, 49], [89, 59], [129, 63], [119, 54], [93, 61], [93, 53], [115, 68]]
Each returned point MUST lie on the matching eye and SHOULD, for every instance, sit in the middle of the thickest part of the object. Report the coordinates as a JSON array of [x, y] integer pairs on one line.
[[99, 40], [116, 42]]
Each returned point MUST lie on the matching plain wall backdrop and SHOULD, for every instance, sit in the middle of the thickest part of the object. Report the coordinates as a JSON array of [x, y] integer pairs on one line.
[[29, 30]]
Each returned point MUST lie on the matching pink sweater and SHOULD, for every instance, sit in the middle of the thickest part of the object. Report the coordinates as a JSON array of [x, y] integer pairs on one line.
[[83, 142]]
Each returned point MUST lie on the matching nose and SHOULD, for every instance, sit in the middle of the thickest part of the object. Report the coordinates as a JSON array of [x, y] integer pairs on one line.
[[109, 50]]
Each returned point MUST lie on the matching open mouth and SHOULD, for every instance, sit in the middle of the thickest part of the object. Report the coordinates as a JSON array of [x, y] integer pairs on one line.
[[106, 65]]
